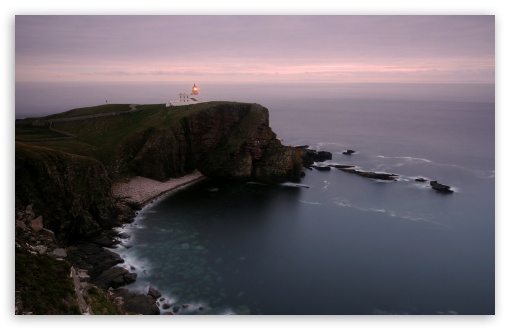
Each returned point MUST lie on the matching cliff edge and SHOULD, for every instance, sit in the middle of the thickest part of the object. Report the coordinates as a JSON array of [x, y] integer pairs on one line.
[[69, 181]]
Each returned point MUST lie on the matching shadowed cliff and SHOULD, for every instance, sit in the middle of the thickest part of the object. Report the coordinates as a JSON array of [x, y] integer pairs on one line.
[[68, 181]]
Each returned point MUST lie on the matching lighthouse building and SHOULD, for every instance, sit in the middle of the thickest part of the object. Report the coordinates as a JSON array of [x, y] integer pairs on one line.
[[185, 98]]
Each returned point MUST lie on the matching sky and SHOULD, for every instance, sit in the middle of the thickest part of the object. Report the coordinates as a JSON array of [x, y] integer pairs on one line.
[[247, 48]]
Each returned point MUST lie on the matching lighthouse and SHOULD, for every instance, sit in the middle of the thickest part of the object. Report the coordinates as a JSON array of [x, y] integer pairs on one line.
[[185, 98]]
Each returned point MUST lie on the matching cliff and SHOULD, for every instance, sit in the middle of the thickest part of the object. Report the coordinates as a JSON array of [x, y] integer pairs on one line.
[[69, 182], [72, 193], [225, 140]]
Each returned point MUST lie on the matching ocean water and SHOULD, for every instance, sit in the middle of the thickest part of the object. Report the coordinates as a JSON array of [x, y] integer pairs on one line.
[[346, 244]]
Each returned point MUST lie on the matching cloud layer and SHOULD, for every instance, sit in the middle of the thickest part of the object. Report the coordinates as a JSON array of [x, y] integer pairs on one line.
[[256, 48]]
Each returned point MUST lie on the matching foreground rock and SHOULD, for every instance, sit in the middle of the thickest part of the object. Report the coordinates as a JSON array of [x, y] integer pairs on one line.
[[114, 277], [93, 258], [440, 187], [137, 302], [372, 175]]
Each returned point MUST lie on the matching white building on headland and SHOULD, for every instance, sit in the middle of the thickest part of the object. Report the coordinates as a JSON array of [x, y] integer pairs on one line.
[[186, 99]]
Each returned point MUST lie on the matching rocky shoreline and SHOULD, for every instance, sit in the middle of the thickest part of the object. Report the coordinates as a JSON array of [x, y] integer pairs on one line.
[[95, 266]]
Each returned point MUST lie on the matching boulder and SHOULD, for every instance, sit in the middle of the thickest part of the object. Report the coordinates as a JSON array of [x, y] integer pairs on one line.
[[37, 224], [130, 277], [21, 224], [154, 293], [137, 302], [58, 253], [41, 249], [93, 258], [348, 152], [48, 233], [114, 277]]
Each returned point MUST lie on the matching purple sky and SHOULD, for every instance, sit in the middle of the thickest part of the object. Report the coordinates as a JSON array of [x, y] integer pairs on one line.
[[256, 48]]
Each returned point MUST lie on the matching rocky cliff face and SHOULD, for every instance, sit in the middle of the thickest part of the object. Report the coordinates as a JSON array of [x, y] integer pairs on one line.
[[228, 141], [72, 193]]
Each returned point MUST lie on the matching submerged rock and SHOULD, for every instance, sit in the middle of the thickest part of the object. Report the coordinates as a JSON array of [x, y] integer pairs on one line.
[[372, 175], [321, 167], [348, 152], [341, 166]]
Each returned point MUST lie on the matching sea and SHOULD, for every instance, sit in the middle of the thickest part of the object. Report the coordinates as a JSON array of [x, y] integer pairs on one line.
[[341, 244]]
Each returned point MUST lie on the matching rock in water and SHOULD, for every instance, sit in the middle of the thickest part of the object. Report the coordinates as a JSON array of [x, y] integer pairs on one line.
[[154, 293], [309, 156], [372, 175], [440, 187]]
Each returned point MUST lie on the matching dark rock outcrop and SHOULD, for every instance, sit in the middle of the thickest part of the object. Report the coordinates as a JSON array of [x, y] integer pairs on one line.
[[440, 187], [348, 152], [71, 193], [309, 156], [154, 293], [341, 166], [114, 277], [371, 175], [93, 258], [227, 141], [420, 180], [137, 302]]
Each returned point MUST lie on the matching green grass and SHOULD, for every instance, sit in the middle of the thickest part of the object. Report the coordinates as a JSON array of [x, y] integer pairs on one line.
[[100, 303], [35, 132], [44, 285], [102, 138], [105, 108]]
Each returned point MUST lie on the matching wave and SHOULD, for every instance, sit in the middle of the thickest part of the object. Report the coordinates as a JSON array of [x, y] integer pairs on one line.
[[407, 158], [313, 203], [327, 185], [391, 213], [483, 174], [321, 144]]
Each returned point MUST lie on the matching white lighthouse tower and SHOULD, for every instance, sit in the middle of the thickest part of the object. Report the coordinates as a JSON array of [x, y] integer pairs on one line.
[[185, 98]]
